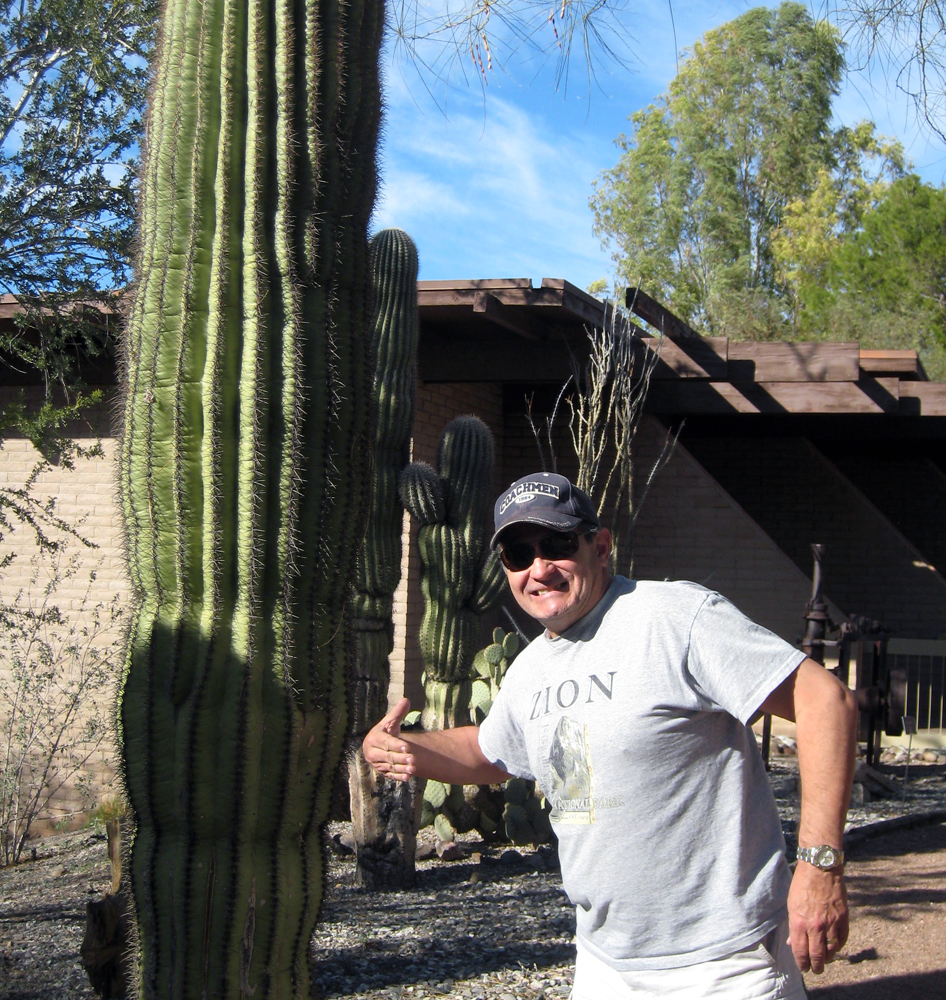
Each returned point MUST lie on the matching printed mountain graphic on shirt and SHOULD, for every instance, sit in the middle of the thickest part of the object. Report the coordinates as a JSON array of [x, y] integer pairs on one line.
[[571, 774]]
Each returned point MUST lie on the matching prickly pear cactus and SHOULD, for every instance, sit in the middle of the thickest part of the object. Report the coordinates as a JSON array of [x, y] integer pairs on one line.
[[526, 813], [244, 472], [396, 332], [516, 810], [461, 578], [489, 669]]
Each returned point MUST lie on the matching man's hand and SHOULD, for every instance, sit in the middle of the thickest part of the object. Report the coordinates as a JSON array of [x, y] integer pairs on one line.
[[817, 916], [452, 756], [384, 748]]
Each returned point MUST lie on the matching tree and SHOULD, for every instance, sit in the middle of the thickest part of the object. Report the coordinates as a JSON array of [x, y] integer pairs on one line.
[[879, 279], [73, 79], [706, 176], [908, 38]]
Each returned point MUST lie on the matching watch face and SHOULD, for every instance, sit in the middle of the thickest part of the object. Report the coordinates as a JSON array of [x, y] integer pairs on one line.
[[827, 857]]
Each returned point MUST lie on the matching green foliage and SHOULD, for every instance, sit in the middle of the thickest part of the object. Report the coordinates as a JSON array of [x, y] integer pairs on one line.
[[73, 79], [873, 270], [395, 335], [737, 203], [707, 174], [244, 473], [461, 577], [59, 669]]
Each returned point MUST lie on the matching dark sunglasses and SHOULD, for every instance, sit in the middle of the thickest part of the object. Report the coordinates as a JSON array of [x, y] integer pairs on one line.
[[518, 556]]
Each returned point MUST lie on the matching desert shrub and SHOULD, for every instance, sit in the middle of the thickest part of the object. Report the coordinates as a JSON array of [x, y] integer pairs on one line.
[[59, 662]]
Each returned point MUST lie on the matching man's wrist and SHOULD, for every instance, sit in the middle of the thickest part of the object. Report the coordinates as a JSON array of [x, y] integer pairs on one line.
[[824, 857]]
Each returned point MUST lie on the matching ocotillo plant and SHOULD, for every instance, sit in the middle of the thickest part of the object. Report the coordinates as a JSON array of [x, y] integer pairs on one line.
[[460, 577], [382, 811], [244, 472], [395, 334]]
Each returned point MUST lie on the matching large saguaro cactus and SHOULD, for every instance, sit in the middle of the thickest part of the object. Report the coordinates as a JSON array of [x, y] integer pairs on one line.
[[243, 477]]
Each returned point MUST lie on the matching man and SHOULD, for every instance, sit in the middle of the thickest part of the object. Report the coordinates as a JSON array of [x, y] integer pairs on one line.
[[632, 711]]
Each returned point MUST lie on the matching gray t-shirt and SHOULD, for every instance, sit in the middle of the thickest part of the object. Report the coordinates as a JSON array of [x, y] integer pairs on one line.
[[634, 724]]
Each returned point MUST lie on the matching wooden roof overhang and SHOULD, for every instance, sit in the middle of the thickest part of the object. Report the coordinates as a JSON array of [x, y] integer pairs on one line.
[[510, 332]]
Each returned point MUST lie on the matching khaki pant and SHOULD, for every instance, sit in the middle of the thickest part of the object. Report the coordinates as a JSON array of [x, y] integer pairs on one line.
[[766, 971]]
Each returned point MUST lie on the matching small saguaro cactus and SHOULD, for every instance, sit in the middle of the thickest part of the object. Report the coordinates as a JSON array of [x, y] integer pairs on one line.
[[461, 577], [395, 335], [244, 474], [382, 812]]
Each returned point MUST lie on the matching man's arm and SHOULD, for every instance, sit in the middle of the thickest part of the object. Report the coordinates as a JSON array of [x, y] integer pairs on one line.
[[449, 755], [825, 715]]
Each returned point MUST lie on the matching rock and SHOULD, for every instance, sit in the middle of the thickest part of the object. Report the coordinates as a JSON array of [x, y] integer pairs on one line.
[[878, 784], [785, 745], [510, 858], [339, 847], [930, 756], [425, 849], [859, 794], [449, 851]]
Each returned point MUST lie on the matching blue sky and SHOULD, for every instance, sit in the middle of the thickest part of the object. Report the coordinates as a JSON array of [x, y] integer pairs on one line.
[[498, 186]]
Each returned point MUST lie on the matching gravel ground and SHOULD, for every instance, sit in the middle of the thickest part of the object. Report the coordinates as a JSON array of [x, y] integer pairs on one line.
[[494, 924]]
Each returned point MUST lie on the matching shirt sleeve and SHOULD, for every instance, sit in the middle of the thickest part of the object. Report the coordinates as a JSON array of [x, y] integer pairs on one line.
[[735, 663], [501, 737]]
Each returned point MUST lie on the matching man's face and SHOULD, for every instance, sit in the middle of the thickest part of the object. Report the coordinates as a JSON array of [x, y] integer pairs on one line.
[[558, 592]]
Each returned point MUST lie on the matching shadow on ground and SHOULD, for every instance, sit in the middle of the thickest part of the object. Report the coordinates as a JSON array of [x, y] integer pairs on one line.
[[916, 986]]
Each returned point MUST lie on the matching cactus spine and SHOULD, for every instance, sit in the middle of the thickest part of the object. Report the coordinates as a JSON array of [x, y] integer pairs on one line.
[[243, 478], [395, 335], [461, 578]]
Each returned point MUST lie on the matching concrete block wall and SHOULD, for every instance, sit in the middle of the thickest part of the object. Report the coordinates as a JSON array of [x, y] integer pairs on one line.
[[689, 528], [910, 492], [86, 498], [799, 496], [435, 405]]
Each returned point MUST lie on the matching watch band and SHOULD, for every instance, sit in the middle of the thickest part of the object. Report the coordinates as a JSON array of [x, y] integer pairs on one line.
[[824, 857]]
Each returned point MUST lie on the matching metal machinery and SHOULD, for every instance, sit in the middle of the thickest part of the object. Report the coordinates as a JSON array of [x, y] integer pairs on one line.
[[880, 690]]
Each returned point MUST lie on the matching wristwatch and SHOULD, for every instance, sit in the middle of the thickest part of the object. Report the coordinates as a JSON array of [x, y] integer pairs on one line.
[[824, 857]]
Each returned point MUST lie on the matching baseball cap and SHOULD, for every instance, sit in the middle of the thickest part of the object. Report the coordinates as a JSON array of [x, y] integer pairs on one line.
[[544, 498]]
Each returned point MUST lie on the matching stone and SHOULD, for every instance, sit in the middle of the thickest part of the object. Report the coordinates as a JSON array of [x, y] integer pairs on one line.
[[339, 848], [859, 794], [930, 756], [449, 851], [425, 849]]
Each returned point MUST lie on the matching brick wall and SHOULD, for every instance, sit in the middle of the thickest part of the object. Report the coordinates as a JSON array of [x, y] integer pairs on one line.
[[910, 492], [84, 497], [690, 528]]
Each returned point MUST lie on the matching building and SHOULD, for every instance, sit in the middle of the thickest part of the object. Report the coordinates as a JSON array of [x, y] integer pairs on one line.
[[778, 446]]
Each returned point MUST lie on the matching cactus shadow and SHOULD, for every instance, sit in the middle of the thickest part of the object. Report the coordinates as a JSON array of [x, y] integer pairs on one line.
[[450, 926]]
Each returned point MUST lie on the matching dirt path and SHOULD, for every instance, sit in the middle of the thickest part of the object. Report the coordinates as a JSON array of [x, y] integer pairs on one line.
[[897, 947]]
